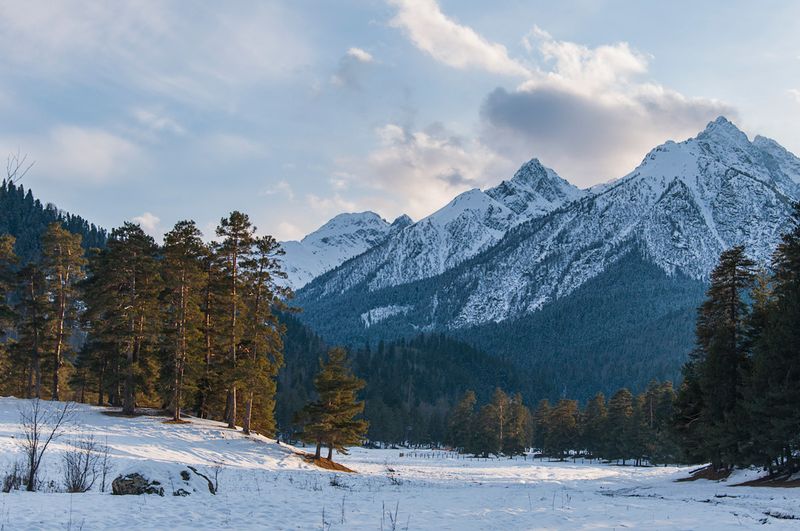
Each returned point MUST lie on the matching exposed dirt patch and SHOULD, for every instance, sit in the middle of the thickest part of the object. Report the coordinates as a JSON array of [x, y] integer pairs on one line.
[[778, 480], [324, 463], [707, 472], [181, 421]]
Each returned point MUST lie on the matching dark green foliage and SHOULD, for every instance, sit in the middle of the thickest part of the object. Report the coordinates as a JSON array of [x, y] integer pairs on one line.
[[25, 218], [332, 419], [628, 325], [411, 384], [720, 363]]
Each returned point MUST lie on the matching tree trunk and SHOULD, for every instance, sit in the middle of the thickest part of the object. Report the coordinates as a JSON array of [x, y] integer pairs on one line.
[[57, 352], [232, 391], [248, 411], [330, 453], [230, 408], [319, 450]]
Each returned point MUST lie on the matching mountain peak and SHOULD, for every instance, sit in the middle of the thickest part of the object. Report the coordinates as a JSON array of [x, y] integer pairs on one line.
[[722, 127], [402, 222]]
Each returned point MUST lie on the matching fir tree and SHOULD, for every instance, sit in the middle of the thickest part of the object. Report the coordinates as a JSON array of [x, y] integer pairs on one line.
[[517, 436], [33, 328], [562, 428], [774, 390], [595, 419], [620, 436], [461, 421], [331, 418], [541, 418]]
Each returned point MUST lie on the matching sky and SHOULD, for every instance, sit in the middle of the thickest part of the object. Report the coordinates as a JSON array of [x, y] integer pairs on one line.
[[295, 111]]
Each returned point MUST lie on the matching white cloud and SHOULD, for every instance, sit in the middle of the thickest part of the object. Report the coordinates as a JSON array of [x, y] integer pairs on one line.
[[281, 187], [192, 53], [330, 205], [77, 154], [149, 223], [451, 43], [360, 55], [157, 121], [795, 93], [287, 231], [588, 112], [417, 172]]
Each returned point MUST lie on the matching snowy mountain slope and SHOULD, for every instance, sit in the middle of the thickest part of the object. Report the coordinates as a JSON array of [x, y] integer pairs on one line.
[[472, 222], [341, 238], [683, 205]]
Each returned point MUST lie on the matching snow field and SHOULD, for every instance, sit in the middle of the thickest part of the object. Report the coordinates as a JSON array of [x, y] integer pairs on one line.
[[264, 485]]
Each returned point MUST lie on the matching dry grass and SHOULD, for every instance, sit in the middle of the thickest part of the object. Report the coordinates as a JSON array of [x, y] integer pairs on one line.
[[326, 464], [707, 472], [181, 421]]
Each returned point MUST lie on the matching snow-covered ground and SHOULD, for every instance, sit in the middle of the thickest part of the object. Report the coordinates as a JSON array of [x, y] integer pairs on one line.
[[263, 485]]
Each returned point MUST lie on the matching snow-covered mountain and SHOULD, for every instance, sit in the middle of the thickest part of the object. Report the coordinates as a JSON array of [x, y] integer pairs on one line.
[[683, 205], [341, 238], [472, 222], [535, 238]]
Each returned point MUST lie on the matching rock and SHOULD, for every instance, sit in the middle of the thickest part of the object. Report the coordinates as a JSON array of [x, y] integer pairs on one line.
[[185, 475], [135, 483], [181, 492]]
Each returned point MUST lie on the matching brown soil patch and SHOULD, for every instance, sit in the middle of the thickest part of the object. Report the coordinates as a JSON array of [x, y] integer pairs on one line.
[[707, 473], [181, 421], [324, 463], [778, 480]]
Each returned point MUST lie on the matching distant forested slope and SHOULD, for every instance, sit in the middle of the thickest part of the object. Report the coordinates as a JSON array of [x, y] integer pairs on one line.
[[24, 217]]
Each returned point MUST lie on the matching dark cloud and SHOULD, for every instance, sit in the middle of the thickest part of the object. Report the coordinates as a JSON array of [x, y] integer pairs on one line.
[[586, 139]]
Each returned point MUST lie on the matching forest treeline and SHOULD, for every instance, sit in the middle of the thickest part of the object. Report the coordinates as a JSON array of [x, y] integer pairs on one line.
[[624, 428], [739, 404], [180, 325]]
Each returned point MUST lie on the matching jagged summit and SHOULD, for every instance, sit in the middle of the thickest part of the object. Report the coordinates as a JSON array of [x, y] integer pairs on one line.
[[402, 221]]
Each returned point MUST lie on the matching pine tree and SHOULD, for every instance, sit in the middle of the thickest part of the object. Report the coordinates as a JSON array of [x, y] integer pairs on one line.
[[460, 423], [774, 390], [33, 320], [517, 435], [63, 265], [331, 418], [123, 310], [182, 273], [237, 235], [620, 436], [264, 336], [595, 418], [562, 428], [541, 418], [7, 261], [721, 361]]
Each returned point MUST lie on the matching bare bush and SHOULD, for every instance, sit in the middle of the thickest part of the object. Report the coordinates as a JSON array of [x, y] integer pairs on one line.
[[41, 424], [12, 480], [83, 464]]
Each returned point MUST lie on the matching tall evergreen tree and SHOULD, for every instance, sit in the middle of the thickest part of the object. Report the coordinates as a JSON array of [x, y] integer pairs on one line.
[[562, 428], [122, 299], [620, 435], [264, 336], [517, 436], [237, 236], [721, 361], [182, 273], [774, 391], [541, 418], [461, 421], [595, 418], [63, 265], [33, 319]]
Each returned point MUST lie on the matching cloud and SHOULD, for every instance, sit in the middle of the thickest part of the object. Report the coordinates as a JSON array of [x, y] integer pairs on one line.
[[330, 205], [77, 154], [451, 43], [587, 112], [193, 53], [149, 223], [235, 146], [287, 231], [360, 55], [351, 67], [795, 93], [281, 187], [157, 121], [417, 172]]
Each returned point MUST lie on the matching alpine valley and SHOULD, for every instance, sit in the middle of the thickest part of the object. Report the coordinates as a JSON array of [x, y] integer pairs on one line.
[[580, 289]]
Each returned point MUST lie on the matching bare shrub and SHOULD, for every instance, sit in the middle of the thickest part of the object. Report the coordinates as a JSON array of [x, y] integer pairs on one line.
[[83, 464], [41, 424], [12, 480]]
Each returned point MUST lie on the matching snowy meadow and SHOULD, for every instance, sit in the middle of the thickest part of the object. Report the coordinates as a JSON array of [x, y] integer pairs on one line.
[[265, 485]]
